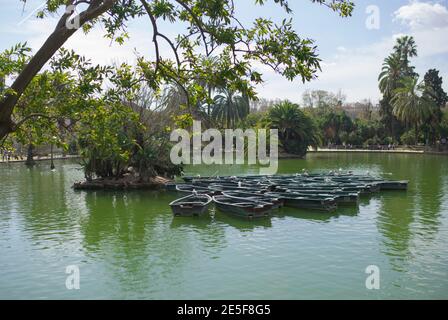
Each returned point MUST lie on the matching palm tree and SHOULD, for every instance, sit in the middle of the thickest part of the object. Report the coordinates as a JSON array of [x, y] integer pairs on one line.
[[391, 74], [297, 131], [409, 105], [229, 107], [406, 48], [389, 80], [210, 65]]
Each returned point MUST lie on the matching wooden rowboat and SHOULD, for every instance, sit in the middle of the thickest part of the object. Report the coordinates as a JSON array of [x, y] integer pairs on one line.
[[192, 205], [393, 185], [277, 203], [342, 198], [245, 208], [297, 201], [189, 189]]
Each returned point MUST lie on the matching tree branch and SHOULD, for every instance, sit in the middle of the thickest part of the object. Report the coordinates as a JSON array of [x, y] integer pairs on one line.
[[53, 43], [199, 24]]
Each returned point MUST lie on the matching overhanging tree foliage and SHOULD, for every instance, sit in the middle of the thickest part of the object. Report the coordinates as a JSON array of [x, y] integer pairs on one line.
[[213, 29]]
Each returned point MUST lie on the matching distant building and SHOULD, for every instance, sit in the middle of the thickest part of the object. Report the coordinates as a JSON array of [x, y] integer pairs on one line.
[[360, 110]]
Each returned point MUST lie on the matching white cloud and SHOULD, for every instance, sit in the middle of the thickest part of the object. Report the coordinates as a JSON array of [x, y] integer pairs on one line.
[[423, 15], [355, 70]]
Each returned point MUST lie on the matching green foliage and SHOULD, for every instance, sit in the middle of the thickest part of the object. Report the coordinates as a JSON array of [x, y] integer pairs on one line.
[[70, 102], [106, 140], [229, 108], [344, 8], [11, 62], [391, 74], [395, 68], [297, 130], [253, 120], [112, 139], [55, 99], [212, 31], [433, 88], [444, 124], [410, 106], [408, 138], [375, 140], [183, 121], [335, 126], [406, 48]]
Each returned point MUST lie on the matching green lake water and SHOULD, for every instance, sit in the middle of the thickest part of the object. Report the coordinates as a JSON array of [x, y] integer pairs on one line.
[[127, 245]]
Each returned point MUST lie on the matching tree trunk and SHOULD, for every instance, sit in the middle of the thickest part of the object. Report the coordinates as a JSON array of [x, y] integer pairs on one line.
[[53, 43], [29, 158], [392, 128], [51, 156], [416, 134]]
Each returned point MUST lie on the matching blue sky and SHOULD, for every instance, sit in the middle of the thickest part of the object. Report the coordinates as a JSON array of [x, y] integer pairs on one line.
[[352, 53]]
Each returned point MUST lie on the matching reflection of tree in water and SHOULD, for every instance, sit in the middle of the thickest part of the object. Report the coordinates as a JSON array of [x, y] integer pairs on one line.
[[42, 202], [209, 234], [242, 224], [221, 170], [133, 233], [397, 211], [407, 215], [394, 222], [431, 195], [316, 215]]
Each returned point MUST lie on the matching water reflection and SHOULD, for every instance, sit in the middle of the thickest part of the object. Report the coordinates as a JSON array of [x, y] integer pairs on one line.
[[207, 233], [412, 218], [130, 245], [318, 216], [48, 223], [243, 225]]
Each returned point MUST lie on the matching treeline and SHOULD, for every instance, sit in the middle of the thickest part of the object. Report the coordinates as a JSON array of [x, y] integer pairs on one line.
[[120, 123], [411, 111]]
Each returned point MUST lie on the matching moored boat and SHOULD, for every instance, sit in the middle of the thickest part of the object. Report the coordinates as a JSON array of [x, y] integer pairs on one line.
[[393, 185], [189, 189], [171, 186], [318, 191], [277, 203], [343, 198], [307, 202], [231, 187], [245, 208], [192, 205]]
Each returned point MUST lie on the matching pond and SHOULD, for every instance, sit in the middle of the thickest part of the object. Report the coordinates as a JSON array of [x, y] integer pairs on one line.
[[127, 245]]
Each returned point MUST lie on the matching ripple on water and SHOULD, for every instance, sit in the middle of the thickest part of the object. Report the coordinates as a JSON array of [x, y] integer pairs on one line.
[[128, 245]]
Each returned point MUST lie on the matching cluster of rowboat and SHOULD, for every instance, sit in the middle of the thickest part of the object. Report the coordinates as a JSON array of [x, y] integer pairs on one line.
[[257, 196]]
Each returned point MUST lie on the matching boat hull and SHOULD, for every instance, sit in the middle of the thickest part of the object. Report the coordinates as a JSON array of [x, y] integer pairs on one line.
[[245, 208], [189, 211], [192, 205]]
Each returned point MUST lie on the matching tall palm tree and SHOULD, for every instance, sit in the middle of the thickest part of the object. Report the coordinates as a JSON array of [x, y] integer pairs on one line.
[[210, 65], [406, 48], [297, 131], [389, 80], [391, 74], [409, 105], [230, 107]]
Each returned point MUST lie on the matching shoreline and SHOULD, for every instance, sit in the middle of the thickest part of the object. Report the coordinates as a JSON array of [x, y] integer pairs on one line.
[[122, 184], [281, 155], [402, 151], [55, 157]]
